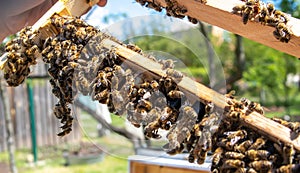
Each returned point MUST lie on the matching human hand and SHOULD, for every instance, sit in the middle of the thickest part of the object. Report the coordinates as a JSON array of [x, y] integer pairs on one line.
[[16, 14]]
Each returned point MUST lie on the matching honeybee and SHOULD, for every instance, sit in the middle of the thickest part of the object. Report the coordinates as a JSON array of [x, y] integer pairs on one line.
[[151, 130], [201, 156], [258, 143], [231, 163], [102, 97], [154, 85], [202, 1], [145, 85], [153, 115], [192, 20], [280, 16], [234, 155], [118, 71], [282, 33], [133, 47], [288, 153], [174, 151], [175, 94], [270, 8], [217, 156], [256, 107], [144, 104], [142, 2], [295, 126], [176, 75], [64, 132], [154, 6], [257, 154], [191, 157], [239, 133], [118, 101], [290, 168], [261, 165], [243, 147], [168, 63]]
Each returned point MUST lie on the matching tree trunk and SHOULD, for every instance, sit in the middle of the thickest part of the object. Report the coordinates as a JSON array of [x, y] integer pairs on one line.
[[213, 79], [239, 62], [9, 127]]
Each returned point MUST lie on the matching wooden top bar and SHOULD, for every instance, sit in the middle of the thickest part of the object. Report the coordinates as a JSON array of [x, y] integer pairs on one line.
[[219, 13]]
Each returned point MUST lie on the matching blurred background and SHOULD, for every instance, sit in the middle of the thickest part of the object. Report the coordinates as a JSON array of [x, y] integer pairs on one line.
[[101, 142]]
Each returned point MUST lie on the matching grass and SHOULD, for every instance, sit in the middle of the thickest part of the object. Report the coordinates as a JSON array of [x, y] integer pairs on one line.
[[117, 149]]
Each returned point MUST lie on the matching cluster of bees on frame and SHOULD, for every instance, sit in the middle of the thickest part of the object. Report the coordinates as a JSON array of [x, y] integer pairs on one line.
[[239, 149], [20, 57], [79, 63], [253, 10], [173, 8], [266, 14]]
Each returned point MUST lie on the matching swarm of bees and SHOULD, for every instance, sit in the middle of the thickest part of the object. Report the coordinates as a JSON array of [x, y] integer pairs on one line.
[[22, 53], [266, 14], [239, 149], [173, 8], [78, 63]]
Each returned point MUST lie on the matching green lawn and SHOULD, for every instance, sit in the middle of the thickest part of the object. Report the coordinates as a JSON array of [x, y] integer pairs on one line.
[[117, 149]]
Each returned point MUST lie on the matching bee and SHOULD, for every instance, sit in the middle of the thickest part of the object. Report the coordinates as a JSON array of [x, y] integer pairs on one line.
[[191, 157], [202, 1], [153, 115], [234, 155], [261, 165], [115, 83], [225, 144], [154, 85], [192, 20], [151, 130], [239, 133], [201, 156], [258, 143], [142, 2], [217, 156], [239, 9], [175, 94], [256, 107], [64, 132], [154, 6], [243, 147], [144, 104], [231, 163], [118, 71], [174, 151], [245, 101], [270, 8], [290, 168], [280, 16], [282, 33], [134, 48], [288, 153], [168, 63], [176, 75], [145, 85], [257, 154], [295, 126], [118, 101], [102, 97]]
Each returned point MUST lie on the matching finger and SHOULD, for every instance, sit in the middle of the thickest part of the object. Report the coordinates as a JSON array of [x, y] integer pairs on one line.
[[102, 3]]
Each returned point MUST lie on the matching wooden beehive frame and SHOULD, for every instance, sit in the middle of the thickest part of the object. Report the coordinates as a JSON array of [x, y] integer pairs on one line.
[[215, 12]]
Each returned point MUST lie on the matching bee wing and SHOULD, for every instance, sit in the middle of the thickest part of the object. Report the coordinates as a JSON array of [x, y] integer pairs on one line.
[[3, 60]]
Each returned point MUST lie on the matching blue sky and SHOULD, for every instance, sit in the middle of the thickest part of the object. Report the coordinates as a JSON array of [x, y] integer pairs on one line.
[[130, 7]]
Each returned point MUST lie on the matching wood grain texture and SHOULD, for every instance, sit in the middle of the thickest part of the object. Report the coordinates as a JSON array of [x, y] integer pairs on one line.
[[219, 13]]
